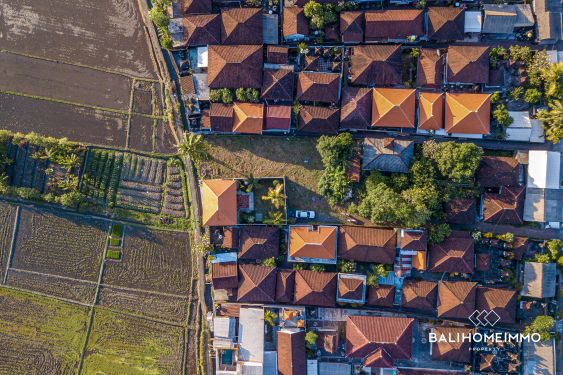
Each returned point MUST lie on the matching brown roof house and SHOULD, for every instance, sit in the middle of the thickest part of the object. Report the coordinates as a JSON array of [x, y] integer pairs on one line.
[[450, 346], [351, 288], [461, 211], [277, 54], [352, 26], [502, 301], [285, 286], [221, 117], [318, 120], [278, 118], [420, 295], [505, 207], [430, 111], [378, 341], [467, 113], [195, 6], [312, 244], [413, 239], [248, 118], [278, 84], [468, 64], [241, 26], [497, 171], [315, 288], [393, 108], [203, 29], [381, 295], [219, 202], [235, 66], [355, 113], [224, 275], [387, 154], [259, 242], [446, 23], [456, 299], [295, 24], [430, 67], [393, 25], [455, 254], [257, 284], [318, 87], [376, 65], [292, 357], [365, 244]]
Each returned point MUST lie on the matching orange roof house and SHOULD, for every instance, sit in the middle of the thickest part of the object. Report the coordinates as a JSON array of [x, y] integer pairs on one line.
[[241, 26], [454, 350], [430, 111], [235, 66], [248, 118], [456, 299], [467, 113], [312, 244], [393, 108], [219, 201]]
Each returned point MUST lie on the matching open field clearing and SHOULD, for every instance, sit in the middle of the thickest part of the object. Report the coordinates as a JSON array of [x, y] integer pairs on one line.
[[64, 82], [141, 133], [165, 143], [106, 34], [79, 124], [60, 244], [7, 221], [295, 158], [120, 344], [39, 335]]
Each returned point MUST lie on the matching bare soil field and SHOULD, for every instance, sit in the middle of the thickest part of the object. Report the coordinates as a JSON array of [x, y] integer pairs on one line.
[[121, 344], [152, 260], [60, 244], [141, 133], [39, 335], [7, 221], [105, 34], [165, 143], [79, 124], [143, 97], [64, 82]]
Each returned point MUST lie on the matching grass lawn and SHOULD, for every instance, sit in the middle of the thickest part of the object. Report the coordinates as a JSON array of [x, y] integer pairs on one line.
[[295, 158]]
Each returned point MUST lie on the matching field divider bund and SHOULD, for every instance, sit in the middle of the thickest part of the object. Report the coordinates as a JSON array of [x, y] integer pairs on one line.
[[129, 115], [54, 276], [45, 295], [13, 243], [143, 291]]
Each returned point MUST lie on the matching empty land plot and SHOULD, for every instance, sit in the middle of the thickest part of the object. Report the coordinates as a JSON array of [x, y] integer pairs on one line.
[[152, 260], [7, 222], [295, 158], [143, 97], [141, 133], [78, 124], [39, 335], [165, 143], [63, 82], [106, 34], [120, 344], [60, 244]]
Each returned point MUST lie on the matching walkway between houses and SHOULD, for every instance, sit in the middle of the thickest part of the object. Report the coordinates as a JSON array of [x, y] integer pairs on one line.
[[533, 233]]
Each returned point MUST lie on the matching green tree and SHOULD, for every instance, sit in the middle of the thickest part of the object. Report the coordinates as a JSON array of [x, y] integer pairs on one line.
[[496, 97], [270, 317], [240, 94], [334, 184], [159, 17], [165, 37], [194, 146], [554, 247], [377, 270], [346, 266], [226, 96], [382, 205], [269, 262], [423, 172], [252, 95], [542, 258], [276, 196], [438, 233], [537, 67], [552, 78], [317, 268], [501, 115], [497, 54], [311, 339], [520, 53], [336, 150], [543, 325], [532, 96], [274, 218], [319, 15], [458, 161], [71, 199], [506, 237], [552, 121], [215, 95], [516, 93]]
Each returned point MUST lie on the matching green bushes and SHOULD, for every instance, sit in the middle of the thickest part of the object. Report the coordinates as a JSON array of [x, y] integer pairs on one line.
[[159, 17], [247, 95], [221, 96], [336, 153], [319, 15], [113, 254]]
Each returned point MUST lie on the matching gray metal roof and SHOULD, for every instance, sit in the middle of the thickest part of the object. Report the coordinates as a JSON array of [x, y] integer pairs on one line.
[[539, 280]]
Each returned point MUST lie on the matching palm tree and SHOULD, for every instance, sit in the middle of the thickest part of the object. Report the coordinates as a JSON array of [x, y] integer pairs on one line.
[[275, 218], [552, 121], [552, 78], [276, 196], [69, 161], [69, 183], [194, 146]]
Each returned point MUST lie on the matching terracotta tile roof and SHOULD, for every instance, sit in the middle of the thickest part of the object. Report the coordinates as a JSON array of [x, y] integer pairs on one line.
[[201, 30], [351, 288], [356, 108], [393, 108], [292, 358], [430, 68], [497, 171], [259, 242], [328, 341], [332, 32], [393, 24], [224, 275], [420, 295], [381, 295], [315, 288], [219, 202], [241, 26], [278, 84], [379, 359], [461, 211], [501, 301], [376, 65], [230, 238], [294, 21], [278, 117], [352, 27], [364, 244], [221, 117], [446, 23], [486, 362], [483, 262], [187, 86], [235, 66], [256, 283], [311, 62], [277, 54], [520, 247], [308, 242], [506, 207], [196, 6], [367, 334], [467, 113], [456, 299], [468, 64], [248, 118], [303, 2], [285, 286], [455, 254], [456, 350], [431, 107], [318, 87], [413, 240], [387, 154], [318, 120]]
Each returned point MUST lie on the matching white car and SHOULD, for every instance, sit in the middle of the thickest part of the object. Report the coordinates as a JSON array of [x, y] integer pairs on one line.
[[300, 214]]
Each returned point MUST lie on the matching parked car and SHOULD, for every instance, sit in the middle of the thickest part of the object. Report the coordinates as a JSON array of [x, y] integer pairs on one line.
[[300, 214]]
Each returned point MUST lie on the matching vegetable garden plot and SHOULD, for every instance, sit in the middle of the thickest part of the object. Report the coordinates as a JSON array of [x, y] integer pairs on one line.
[[174, 197], [101, 176]]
